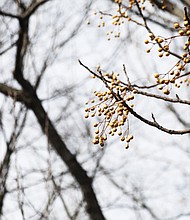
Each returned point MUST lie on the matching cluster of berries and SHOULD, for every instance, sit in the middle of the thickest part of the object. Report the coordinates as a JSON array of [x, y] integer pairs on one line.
[[112, 114]]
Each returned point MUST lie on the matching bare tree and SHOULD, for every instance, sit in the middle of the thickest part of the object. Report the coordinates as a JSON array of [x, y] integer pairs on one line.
[[25, 92], [49, 168]]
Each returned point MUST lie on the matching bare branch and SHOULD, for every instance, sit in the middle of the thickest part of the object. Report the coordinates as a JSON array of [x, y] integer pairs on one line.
[[135, 114], [6, 14], [33, 7], [178, 116], [163, 98], [154, 123], [8, 48], [12, 92]]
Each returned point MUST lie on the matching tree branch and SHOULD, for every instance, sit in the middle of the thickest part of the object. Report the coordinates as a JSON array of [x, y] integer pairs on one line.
[[153, 123], [85, 182], [12, 92], [92, 205], [33, 7], [6, 14], [29, 97]]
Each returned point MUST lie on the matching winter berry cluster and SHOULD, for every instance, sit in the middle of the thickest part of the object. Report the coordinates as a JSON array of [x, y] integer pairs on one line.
[[112, 113], [176, 73]]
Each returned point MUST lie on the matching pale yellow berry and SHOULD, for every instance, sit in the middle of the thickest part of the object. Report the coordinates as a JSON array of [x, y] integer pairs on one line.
[[181, 32], [96, 141], [166, 92], [176, 25], [122, 138], [160, 40], [185, 23], [156, 75], [86, 115]]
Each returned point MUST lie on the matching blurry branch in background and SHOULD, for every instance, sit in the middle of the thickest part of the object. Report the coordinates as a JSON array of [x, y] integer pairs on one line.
[[178, 116], [28, 96], [170, 7], [135, 195], [8, 48], [19, 124], [56, 48]]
